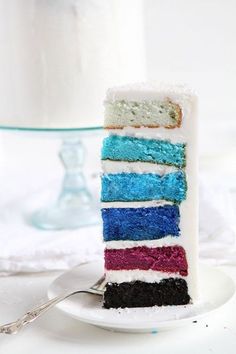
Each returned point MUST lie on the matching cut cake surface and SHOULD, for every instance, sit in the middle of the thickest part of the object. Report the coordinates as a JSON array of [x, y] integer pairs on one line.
[[149, 195]]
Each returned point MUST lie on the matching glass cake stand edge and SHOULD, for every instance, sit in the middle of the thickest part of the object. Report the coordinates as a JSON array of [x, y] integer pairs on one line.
[[75, 206]]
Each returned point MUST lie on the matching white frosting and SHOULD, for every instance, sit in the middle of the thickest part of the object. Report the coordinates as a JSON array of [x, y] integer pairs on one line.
[[174, 135], [58, 58], [109, 166], [142, 204], [148, 276], [166, 241]]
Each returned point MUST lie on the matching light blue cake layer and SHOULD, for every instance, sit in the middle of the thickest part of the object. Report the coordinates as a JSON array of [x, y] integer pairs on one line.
[[126, 148], [149, 186]]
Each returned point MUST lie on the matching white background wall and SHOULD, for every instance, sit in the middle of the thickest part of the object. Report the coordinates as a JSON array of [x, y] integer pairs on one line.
[[194, 41]]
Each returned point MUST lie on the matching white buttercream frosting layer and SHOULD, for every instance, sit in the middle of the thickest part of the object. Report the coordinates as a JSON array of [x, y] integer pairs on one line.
[[173, 135], [165, 241], [151, 91], [142, 204], [109, 166], [148, 276]]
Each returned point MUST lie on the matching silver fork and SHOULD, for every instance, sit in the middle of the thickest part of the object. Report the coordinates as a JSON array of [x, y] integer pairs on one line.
[[32, 315]]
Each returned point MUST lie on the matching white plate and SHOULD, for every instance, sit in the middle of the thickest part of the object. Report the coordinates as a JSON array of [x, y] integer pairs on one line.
[[216, 289]]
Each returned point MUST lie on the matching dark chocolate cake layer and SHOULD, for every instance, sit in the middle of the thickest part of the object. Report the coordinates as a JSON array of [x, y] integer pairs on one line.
[[171, 291]]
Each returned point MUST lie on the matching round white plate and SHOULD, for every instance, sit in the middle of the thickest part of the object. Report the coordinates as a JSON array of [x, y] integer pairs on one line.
[[216, 289]]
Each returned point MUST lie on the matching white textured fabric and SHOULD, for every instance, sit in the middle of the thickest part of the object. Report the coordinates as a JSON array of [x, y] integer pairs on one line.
[[217, 222], [26, 249]]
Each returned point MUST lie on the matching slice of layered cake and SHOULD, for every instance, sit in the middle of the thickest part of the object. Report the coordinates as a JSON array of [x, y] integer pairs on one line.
[[149, 196]]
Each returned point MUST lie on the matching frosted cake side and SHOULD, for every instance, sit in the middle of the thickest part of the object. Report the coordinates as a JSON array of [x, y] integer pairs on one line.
[[149, 196]]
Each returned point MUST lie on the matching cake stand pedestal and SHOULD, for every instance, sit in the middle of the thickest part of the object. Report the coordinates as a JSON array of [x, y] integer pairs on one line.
[[75, 206]]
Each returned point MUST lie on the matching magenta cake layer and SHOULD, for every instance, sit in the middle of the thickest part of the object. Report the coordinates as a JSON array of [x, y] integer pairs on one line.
[[169, 259]]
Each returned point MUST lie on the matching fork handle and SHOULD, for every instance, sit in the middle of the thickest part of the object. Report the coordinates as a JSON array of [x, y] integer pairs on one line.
[[32, 315]]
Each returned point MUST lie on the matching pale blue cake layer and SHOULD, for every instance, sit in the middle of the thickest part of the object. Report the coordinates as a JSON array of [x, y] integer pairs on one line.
[[126, 148], [149, 186]]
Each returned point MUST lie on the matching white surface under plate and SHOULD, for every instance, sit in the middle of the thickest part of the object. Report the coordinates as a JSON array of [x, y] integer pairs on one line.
[[216, 289]]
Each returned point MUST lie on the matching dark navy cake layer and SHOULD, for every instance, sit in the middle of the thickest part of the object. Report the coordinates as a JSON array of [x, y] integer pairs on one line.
[[171, 291], [146, 186], [140, 223], [126, 148]]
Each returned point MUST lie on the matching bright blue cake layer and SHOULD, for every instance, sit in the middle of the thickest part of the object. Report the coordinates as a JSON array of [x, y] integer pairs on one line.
[[126, 148], [140, 223], [149, 186]]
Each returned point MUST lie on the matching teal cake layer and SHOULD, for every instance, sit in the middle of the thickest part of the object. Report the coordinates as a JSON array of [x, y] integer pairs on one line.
[[148, 186], [126, 148]]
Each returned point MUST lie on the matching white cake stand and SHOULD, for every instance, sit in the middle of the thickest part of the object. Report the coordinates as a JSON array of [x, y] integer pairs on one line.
[[75, 206]]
